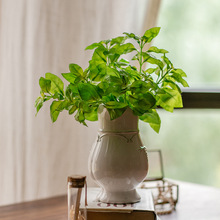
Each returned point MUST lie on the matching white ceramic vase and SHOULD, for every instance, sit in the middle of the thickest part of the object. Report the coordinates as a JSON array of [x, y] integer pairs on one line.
[[118, 161]]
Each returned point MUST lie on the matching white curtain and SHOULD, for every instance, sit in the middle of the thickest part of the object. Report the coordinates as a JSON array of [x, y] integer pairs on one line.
[[39, 36]]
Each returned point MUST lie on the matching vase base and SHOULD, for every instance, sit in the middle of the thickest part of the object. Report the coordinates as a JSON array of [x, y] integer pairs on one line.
[[119, 197]]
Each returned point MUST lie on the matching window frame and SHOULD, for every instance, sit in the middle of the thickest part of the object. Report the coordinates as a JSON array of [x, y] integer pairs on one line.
[[201, 98]]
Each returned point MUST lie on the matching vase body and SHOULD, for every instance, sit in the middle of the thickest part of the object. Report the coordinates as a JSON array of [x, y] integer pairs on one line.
[[118, 161]]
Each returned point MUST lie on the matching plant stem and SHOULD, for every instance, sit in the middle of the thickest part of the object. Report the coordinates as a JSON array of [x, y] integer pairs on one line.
[[158, 81], [140, 60], [107, 47]]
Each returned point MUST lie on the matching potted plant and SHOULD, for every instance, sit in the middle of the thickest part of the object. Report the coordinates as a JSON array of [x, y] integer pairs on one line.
[[120, 91]]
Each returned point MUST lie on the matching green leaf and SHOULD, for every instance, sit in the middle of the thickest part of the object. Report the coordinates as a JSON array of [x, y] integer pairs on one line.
[[93, 46], [97, 70], [115, 105], [99, 55], [56, 107], [122, 62], [147, 101], [45, 85], [153, 119], [87, 92], [132, 36], [177, 77], [133, 74], [57, 84], [107, 98], [106, 41], [152, 60], [72, 109], [180, 72], [140, 86], [150, 34], [79, 116], [92, 113], [169, 81], [71, 92], [39, 103], [117, 40], [156, 50], [115, 113], [140, 103], [122, 49], [91, 116], [169, 99], [113, 57], [115, 85], [70, 77], [75, 69], [102, 87], [116, 51], [112, 72], [167, 62], [150, 70]]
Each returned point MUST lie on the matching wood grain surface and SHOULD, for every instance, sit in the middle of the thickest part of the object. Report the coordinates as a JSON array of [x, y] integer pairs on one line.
[[45, 209]]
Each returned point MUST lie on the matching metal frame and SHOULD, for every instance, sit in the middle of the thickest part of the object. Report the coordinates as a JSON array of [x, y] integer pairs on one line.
[[161, 165], [164, 191]]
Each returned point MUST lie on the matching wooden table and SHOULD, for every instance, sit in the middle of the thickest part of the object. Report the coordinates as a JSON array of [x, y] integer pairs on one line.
[[195, 202], [45, 209]]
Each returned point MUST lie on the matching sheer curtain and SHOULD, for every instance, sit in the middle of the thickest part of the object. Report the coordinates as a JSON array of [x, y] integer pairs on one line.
[[39, 36]]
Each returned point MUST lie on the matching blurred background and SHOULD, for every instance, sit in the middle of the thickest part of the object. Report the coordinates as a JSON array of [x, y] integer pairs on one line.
[[189, 139], [39, 36]]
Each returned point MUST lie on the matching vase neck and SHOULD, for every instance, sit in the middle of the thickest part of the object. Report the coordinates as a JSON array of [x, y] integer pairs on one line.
[[127, 122]]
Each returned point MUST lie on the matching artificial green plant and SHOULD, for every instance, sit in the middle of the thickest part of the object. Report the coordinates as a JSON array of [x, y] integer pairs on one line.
[[117, 83]]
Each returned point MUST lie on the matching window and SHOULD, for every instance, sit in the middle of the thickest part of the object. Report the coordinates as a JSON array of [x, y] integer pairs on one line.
[[189, 138], [191, 31]]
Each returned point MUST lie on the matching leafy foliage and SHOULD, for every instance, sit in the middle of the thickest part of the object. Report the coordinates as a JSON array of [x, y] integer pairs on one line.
[[114, 82]]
